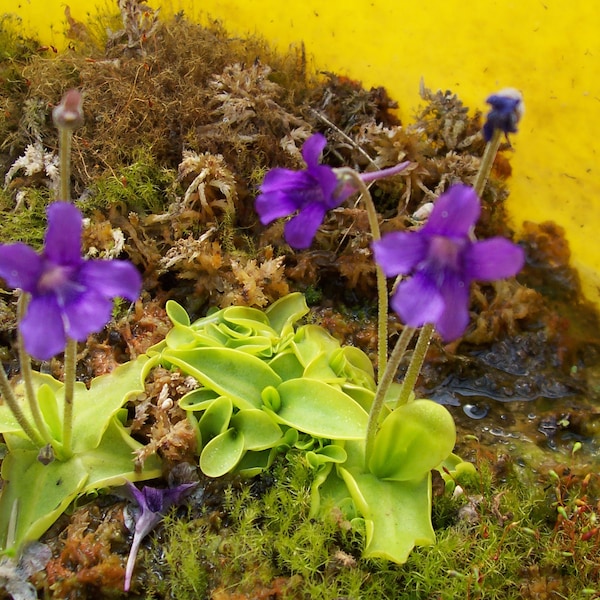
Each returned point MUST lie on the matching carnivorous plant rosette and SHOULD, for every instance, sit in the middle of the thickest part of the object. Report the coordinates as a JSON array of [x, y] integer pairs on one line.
[[442, 260], [70, 296]]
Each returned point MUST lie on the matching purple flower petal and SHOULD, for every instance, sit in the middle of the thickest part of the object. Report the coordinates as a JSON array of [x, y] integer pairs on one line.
[[330, 194], [492, 259], [20, 266], [454, 213], [274, 206], [398, 253], [442, 261], [418, 301], [507, 110], [111, 278], [313, 148], [62, 245], [69, 295], [300, 231], [453, 320], [87, 313], [285, 180], [42, 328]]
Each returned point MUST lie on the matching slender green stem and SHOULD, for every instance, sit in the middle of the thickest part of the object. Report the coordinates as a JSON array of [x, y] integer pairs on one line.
[[383, 386], [416, 363], [27, 374], [64, 151], [382, 292], [70, 366], [13, 405], [487, 161]]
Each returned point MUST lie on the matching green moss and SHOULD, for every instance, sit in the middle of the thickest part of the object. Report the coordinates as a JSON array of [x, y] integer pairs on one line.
[[142, 187], [27, 222], [498, 540]]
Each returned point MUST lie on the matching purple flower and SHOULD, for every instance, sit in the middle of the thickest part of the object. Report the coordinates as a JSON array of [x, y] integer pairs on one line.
[[153, 504], [443, 261], [309, 193], [70, 296], [507, 110]]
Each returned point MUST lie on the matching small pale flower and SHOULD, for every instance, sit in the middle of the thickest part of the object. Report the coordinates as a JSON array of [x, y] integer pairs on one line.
[[507, 110], [307, 194], [153, 503], [70, 296], [441, 261]]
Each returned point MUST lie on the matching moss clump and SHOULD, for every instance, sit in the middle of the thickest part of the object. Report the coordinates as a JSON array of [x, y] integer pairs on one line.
[[27, 223], [142, 187], [508, 535]]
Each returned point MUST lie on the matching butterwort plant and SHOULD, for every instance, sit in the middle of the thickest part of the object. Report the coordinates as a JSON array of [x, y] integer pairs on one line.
[[387, 473], [63, 438]]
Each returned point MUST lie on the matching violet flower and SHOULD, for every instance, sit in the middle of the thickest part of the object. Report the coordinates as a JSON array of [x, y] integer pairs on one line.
[[153, 504], [442, 261], [70, 296], [507, 110], [309, 193]]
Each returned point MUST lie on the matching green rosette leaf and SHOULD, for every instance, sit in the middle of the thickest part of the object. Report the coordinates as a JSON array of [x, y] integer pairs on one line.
[[321, 410], [412, 440]]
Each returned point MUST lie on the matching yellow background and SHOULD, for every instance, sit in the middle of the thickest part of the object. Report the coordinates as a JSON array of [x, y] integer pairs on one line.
[[550, 50]]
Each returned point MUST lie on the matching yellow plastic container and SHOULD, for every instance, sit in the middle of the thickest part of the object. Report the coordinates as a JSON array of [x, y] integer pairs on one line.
[[550, 50]]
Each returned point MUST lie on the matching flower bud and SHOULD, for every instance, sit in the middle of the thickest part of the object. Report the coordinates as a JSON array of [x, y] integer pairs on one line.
[[507, 110], [69, 113]]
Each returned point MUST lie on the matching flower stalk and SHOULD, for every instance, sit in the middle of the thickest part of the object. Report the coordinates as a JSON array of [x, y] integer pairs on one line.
[[416, 364], [385, 381], [382, 293], [12, 403], [27, 375], [67, 116], [70, 367], [487, 162], [507, 110], [63, 297]]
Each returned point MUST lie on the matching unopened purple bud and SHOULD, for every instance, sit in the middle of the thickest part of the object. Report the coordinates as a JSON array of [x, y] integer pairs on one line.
[[69, 113], [507, 110]]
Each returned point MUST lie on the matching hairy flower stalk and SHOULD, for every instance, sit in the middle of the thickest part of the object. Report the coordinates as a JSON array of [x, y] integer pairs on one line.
[[25, 363], [9, 397], [416, 363], [384, 383], [382, 294], [67, 116]]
